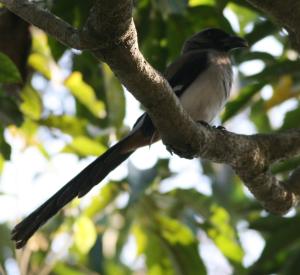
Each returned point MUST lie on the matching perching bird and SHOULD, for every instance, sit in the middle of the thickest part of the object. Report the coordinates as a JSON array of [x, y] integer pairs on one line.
[[201, 77]]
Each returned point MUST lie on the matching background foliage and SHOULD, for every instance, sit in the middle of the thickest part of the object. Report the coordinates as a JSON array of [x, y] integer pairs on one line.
[[169, 229]]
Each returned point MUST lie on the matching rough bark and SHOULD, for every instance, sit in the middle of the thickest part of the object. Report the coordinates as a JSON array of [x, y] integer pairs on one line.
[[110, 35]]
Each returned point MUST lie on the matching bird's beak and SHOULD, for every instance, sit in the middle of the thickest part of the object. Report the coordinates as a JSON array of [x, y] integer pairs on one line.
[[235, 42]]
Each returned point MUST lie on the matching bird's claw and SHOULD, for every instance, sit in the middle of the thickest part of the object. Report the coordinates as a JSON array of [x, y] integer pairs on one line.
[[188, 154], [207, 125]]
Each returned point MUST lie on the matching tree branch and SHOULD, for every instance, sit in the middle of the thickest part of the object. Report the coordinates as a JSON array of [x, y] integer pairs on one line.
[[111, 32], [48, 22]]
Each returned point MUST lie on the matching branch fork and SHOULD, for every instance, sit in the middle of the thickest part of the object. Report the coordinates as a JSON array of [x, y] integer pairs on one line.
[[110, 34]]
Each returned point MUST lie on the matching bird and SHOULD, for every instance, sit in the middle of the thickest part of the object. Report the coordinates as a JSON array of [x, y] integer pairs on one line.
[[201, 77]]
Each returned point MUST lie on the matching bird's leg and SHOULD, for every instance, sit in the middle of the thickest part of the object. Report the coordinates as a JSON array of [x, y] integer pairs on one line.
[[203, 123], [183, 153], [207, 125]]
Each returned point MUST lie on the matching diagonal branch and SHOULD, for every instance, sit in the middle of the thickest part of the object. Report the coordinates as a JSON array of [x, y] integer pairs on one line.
[[111, 32], [47, 21]]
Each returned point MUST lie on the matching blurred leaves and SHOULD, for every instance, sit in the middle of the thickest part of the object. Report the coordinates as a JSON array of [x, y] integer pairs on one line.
[[114, 96], [84, 234], [223, 234], [71, 98], [241, 101], [84, 146], [68, 124], [32, 103], [85, 94], [9, 110]]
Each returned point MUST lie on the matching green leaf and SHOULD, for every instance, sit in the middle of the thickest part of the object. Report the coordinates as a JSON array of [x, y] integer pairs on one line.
[[9, 110], [106, 195], [8, 70], [261, 29], [173, 231], [61, 268], [259, 117], [2, 163], [283, 236], [244, 97], [157, 260], [41, 64], [5, 148], [32, 103], [114, 97], [84, 146], [169, 246], [85, 94], [291, 119], [244, 15], [223, 234], [286, 165], [71, 125], [193, 3], [85, 234]]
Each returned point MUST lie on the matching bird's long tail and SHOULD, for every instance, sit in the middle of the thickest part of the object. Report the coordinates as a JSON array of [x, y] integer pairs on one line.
[[76, 187]]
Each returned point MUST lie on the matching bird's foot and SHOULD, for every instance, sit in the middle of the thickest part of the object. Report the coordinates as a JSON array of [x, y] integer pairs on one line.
[[182, 152], [207, 125], [221, 128], [203, 123]]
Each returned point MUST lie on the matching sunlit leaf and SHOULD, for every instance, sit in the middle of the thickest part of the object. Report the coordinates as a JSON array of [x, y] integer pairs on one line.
[[174, 231], [40, 63], [193, 3], [85, 94], [84, 146], [84, 234], [31, 103], [2, 162], [244, 15], [224, 235], [8, 70], [27, 132], [282, 91], [71, 125], [40, 59]]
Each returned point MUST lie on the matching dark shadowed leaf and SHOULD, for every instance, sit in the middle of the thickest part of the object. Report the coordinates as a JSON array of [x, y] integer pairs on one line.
[[243, 98], [8, 70]]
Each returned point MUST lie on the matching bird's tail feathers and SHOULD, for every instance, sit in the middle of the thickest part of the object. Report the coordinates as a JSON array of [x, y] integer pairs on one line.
[[76, 187]]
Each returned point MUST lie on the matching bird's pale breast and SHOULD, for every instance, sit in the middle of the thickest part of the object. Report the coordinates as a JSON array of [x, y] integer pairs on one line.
[[207, 95]]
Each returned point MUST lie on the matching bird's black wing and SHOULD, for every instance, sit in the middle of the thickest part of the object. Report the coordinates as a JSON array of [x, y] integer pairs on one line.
[[186, 69]]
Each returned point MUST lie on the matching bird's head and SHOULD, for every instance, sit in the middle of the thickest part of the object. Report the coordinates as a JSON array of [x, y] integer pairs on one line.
[[215, 39]]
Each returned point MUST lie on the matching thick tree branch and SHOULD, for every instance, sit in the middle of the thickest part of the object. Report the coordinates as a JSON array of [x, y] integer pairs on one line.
[[47, 21], [110, 24], [286, 14]]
